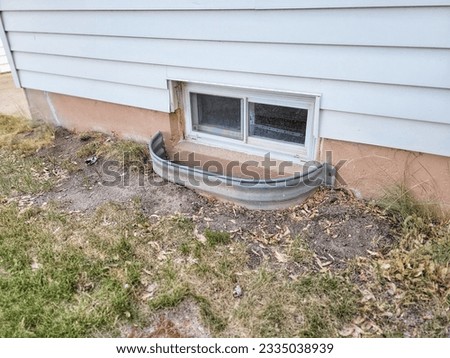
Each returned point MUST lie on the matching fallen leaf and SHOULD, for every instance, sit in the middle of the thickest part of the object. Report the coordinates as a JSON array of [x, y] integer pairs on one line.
[[372, 253], [149, 291], [346, 332], [200, 237], [280, 257], [367, 296], [392, 288]]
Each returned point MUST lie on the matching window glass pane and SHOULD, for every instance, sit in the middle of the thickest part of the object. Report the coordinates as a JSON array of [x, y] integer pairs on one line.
[[285, 124], [216, 115]]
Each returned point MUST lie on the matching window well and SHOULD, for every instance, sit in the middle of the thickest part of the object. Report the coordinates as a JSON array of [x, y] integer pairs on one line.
[[254, 192]]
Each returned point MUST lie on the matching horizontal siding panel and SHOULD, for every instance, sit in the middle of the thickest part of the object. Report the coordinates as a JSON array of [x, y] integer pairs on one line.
[[121, 72], [4, 65], [388, 132], [336, 27], [407, 66], [8, 66], [142, 97], [416, 103], [320, 4], [206, 4]]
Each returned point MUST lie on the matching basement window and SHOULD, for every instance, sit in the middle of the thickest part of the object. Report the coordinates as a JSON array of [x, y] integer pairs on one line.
[[217, 115], [252, 121]]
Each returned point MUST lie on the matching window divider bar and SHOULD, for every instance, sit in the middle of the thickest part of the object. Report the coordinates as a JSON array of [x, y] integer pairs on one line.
[[245, 119]]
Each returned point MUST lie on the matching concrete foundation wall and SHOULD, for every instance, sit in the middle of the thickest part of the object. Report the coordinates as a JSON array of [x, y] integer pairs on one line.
[[81, 114], [371, 170]]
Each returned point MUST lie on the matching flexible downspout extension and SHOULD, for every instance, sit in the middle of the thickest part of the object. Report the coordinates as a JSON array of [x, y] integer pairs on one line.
[[265, 194]]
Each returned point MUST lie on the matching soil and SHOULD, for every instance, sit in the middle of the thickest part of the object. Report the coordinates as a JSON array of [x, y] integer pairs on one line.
[[335, 225], [184, 321]]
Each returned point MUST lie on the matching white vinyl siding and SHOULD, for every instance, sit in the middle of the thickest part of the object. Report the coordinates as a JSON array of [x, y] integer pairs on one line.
[[404, 66], [382, 67], [4, 66], [292, 26], [208, 4]]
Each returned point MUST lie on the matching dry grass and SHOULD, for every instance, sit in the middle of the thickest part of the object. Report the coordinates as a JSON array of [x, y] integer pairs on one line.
[[127, 153], [20, 172], [407, 291], [181, 265], [400, 203], [90, 274], [118, 248], [206, 267], [24, 136]]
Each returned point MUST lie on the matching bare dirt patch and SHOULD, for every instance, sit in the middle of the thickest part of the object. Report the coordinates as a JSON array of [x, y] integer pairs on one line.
[[335, 225], [184, 321]]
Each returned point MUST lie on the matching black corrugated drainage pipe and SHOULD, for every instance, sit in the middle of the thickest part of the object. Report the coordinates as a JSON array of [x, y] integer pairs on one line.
[[263, 194]]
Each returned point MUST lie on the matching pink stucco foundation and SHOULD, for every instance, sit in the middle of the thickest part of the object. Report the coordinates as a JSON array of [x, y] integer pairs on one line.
[[80, 114], [370, 170]]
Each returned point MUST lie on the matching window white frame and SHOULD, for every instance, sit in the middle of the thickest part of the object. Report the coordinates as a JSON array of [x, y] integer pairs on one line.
[[255, 145]]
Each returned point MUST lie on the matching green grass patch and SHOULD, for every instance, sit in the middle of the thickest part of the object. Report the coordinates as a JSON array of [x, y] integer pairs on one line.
[[215, 238], [440, 251], [213, 320], [329, 302], [52, 289], [23, 175], [300, 251], [170, 298], [401, 204], [272, 320]]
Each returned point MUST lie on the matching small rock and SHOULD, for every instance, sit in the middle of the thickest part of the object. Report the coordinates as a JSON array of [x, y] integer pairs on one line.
[[91, 160], [237, 292], [35, 265]]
